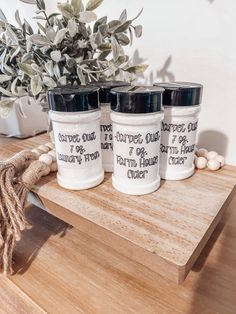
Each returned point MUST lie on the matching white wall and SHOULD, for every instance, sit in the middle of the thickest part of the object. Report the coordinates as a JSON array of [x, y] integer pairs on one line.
[[199, 36]]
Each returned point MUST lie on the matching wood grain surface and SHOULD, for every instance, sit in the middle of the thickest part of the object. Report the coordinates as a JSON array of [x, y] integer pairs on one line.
[[165, 230], [60, 269], [63, 270]]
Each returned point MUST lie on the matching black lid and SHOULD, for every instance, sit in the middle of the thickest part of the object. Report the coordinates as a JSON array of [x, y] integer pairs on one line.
[[181, 93], [73, 98], [136, 99], [105, 87]]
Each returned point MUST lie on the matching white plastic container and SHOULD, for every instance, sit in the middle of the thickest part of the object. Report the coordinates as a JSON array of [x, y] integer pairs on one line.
[[75, 116], [181, 102], [105, 122], [136, 114]]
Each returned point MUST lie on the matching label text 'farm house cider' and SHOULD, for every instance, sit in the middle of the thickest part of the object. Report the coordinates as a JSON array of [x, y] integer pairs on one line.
[[105, 122], [75, 116], [179, 129], [136, 115]]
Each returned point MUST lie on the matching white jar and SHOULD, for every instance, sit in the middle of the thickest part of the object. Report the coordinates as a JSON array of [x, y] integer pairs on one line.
[[181, 102], [136, 115], [75, 116], [105, 122]]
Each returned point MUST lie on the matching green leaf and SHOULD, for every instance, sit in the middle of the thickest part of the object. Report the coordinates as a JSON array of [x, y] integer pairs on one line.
[[138, 30], [41, 4], [122, 39], [6, 105], [29, 1], [27, 69], [56, 55], [5, 92], [50, 33], [123, 16], [101, 21], [57, 72], [77, 6], [60, 35], [36, 85], [136, 69], [115, 48], [114, 24], [4, 78], [103, 29], [15, 53], [49, 82], [39, 40], [49, 68], [17, 18], [123, 27], [41, 27], [72, 26], [87, 17], [98, 39], [62, 80], [66, 10], [11, 35], [93, 4], [105, 47], [2, 16], [138, 15]]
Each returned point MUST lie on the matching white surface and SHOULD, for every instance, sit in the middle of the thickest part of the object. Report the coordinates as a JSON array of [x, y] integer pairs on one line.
[[106, 137], [136, 146], [28, 122], [78, 149], [178, 139], [199, 35]]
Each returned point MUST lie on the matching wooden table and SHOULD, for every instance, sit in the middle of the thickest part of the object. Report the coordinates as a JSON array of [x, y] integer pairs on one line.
[[63, 270]]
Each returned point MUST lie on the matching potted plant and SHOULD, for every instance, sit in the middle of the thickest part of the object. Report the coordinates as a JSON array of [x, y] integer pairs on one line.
[[72, 46]]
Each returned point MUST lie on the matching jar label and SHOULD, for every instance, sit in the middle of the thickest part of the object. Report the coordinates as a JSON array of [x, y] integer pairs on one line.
[[136, 154], [178, 139], [106, 129], [79, 148]]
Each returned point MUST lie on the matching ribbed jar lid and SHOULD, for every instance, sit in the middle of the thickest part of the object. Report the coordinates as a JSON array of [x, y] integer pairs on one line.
[[137, 99], [73, 98], [105, 87], [181, 93]]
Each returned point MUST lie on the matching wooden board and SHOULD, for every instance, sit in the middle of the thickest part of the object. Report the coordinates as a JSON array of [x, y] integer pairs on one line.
[[164, 231], [63, 270]]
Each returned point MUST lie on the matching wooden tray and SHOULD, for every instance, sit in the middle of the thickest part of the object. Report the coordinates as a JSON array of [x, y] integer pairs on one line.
[[164, 231]]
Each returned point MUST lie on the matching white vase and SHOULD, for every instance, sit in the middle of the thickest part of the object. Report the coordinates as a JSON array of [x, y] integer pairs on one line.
[[26, 119]]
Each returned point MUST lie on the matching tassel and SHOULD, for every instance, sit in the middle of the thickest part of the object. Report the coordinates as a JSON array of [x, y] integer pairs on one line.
[[17, 176]]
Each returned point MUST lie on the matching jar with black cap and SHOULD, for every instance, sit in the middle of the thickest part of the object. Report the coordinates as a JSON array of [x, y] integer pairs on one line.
[[105, 121], [75, 116], [136, 115], [181, 102]]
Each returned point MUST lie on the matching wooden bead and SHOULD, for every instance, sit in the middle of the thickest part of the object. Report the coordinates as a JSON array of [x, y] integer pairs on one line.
[[202, 152], [47, 159], [52, 153], [37, 152], [200, 162], [44, 148], [53, 167], [213, 164], [211, 155], [47, 171], [50, 145], [221, 160]]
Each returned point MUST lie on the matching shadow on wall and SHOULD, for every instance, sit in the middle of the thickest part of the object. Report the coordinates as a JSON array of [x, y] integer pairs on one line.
[[213, 140], [162, 74]]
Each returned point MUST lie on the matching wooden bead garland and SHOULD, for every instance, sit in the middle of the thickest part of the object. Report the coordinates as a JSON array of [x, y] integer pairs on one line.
[[17, 177], [210, 160]]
